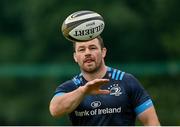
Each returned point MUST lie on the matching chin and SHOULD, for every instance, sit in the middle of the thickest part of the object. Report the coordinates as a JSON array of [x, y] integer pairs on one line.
[[90, 69]]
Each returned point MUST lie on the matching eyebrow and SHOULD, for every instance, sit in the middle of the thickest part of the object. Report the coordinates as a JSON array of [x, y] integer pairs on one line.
[[92, 45], [80, 47]]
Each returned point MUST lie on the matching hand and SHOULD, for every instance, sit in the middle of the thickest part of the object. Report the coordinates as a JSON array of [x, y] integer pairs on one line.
[[93, 87]]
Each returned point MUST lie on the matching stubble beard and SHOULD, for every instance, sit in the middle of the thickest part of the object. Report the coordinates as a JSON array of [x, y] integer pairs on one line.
[[93, 68]]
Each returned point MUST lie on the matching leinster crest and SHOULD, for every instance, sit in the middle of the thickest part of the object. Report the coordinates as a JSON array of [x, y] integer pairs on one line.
[[115, 90]]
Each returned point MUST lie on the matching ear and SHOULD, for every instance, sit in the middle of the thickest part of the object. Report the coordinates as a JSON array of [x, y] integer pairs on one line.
[[104, 50], [74, 55]]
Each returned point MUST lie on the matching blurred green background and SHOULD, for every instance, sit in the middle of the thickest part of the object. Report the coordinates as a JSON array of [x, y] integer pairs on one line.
[[142, 37]]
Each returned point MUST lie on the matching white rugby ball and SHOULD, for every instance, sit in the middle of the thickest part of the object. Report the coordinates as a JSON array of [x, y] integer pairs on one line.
[[82, 26]]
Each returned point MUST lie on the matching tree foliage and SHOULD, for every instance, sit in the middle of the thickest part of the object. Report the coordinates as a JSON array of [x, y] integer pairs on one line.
[[135, 30]]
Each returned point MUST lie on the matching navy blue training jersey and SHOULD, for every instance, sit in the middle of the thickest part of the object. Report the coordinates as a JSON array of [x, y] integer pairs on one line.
[[126, 100]]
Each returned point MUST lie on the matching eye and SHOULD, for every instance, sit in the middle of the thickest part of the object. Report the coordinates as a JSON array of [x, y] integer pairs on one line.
[[93, 47], [81, 49]]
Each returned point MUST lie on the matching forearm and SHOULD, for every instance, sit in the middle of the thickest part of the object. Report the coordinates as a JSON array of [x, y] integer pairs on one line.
[[66, 103]]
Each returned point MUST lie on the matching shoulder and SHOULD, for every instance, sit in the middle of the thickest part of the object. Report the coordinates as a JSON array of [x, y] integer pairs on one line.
[[128, 77], [128, 80], [76, 81], [70, 85], [68, 82], [117, 74]]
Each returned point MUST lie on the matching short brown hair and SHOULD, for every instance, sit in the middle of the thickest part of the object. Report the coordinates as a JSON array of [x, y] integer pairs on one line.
[[101, 42]]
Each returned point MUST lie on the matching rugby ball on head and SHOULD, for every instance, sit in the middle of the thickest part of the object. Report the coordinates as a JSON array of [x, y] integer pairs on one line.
[[82, 26]]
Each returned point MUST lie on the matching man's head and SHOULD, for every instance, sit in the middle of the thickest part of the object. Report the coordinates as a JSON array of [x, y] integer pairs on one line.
[[90, 54]]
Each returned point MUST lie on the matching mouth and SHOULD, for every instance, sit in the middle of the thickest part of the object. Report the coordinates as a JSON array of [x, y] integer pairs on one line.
[[88, 60]]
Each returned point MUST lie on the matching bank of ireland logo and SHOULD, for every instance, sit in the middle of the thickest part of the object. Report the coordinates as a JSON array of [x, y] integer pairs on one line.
[[95, 104], [115, 90]]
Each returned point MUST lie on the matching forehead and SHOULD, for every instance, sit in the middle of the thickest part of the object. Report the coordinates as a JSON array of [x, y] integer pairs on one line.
[[88, 43]]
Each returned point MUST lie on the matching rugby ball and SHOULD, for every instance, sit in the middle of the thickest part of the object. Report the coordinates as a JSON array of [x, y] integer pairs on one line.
[[82, 26]]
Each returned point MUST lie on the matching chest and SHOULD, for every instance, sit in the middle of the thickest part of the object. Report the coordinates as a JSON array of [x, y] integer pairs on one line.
[[118, 97]]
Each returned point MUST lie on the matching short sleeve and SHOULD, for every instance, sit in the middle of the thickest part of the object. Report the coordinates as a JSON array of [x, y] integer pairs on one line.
[[139, 97], [65, 87]]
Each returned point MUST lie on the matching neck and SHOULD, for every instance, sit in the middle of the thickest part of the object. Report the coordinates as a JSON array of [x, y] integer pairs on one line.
[[100, 73]]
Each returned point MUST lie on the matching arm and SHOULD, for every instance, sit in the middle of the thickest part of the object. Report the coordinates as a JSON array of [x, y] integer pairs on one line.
[[67, 102], [149, 117], [145, 111]]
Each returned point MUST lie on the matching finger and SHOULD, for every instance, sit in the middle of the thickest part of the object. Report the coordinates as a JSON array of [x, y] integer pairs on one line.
[[103, 92], [100, 92], [100, 81]]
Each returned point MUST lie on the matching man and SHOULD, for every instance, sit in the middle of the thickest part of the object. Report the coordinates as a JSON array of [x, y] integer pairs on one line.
[[101, 95]]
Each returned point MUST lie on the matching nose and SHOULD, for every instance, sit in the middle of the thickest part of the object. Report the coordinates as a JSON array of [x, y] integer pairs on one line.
[[87, 52]]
